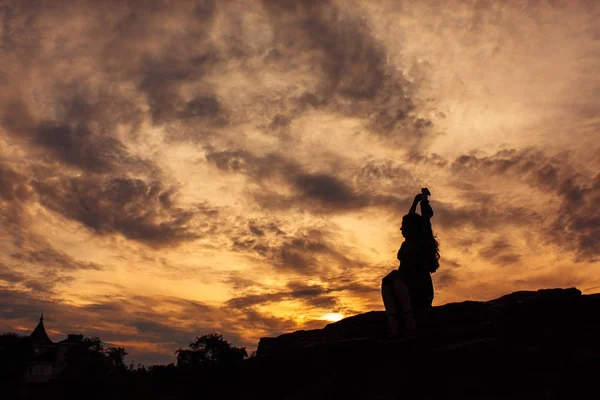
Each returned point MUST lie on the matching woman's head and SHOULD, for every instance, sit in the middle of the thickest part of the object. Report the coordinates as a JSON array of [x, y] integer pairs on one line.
[[412, 226], [412, 229]]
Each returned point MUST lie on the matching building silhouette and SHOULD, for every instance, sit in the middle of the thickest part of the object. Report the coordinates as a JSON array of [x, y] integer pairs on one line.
[[48, 358]]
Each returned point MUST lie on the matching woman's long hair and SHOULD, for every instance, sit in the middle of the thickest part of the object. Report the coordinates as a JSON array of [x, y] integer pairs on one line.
[[413, 224]]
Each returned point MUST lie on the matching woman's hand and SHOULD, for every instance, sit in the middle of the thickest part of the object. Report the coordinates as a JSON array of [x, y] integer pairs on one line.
[[416, 201]]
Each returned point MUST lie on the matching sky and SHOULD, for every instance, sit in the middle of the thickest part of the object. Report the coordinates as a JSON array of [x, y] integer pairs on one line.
[[170, 169]]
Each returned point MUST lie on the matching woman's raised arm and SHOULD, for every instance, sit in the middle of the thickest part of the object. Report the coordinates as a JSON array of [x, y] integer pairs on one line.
[[426, 213], [416, 201]]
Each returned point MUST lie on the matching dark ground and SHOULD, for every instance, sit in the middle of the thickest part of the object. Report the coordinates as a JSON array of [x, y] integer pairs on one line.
[[525, 345]]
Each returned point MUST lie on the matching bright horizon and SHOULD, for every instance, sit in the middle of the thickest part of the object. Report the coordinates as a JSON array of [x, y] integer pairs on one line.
[[242, 167]]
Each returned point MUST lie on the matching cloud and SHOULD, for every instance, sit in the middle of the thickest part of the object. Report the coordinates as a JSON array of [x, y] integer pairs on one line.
[[13, 185], [161, 80], [350, 58], [14, 193], [140, 210], [451, 263], [328, 191], [319, 193], [8, 275], [302, 251], [35, 284], [141, 70], [132, 321], [444, 278], [311, 295], [292, 250], [257, 167], [484, 217], [354, 75], [53, 258], [74, 138], [500, 252], [574, 225], [80, 147]]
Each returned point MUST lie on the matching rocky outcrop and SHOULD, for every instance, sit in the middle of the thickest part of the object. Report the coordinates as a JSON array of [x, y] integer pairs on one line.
[[529, 344]]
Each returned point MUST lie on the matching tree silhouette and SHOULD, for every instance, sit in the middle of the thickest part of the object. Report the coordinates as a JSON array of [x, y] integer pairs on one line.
[[15, 350], [93, 344], [116, 355], [210, 350]]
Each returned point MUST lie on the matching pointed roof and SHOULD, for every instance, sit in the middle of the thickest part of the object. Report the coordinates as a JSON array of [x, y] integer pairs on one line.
[[39, 334]]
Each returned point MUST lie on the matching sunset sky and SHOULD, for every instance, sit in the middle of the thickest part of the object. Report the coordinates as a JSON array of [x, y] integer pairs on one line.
[[175, 168]]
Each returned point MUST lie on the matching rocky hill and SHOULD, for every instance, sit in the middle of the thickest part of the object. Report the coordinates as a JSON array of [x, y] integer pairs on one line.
[[526, 345]]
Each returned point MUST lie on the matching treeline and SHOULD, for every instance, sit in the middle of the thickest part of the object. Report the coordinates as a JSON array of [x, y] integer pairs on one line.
[[93, 371]]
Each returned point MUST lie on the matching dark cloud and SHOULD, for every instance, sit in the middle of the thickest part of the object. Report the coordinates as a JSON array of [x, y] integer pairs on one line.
[[9, 275], [326, 302], [314, 192], [13, 185], [444, 278], [279, 121], [83, 134], [355, 77], [14, 193], [253, 319], [246, 301], [312, 296], [299, 252], [325, 298], [352, 61], [161, 80], [203, 106], [50, 257], [352, 285], [29, 248], [169, 67], [257, 167], [255, 230], [89, 106], [239, 282], [162, 61], [385, 175], [483, 217], [21, 305], [306, 251], [154, 329], [451, 263], [80, 147], [42, 283], [328, 192], [251, 294], [139, 210], [575, 223], [434, 159], [46, 283], [500, 252]]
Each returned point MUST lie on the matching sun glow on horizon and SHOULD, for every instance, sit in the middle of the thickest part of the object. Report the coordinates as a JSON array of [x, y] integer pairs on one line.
[[333, 317]]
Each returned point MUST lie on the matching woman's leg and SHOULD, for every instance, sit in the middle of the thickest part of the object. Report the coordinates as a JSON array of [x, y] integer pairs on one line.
[[403, 295], [390, 302]]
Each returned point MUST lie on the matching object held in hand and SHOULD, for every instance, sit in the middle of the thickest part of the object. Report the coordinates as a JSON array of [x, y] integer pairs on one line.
[[425, 192]]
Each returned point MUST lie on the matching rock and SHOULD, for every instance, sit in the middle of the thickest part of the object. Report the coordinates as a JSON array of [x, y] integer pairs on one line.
[[528, 344]]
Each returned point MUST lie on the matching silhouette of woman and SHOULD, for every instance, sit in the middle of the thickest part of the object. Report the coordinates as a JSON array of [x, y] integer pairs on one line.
[[409, 289]]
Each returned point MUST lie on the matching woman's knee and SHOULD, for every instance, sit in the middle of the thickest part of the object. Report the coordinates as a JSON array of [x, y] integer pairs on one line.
[[389, 278]]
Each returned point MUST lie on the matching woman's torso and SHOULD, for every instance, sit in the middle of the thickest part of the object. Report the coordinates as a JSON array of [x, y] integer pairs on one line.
[[414, 272]]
